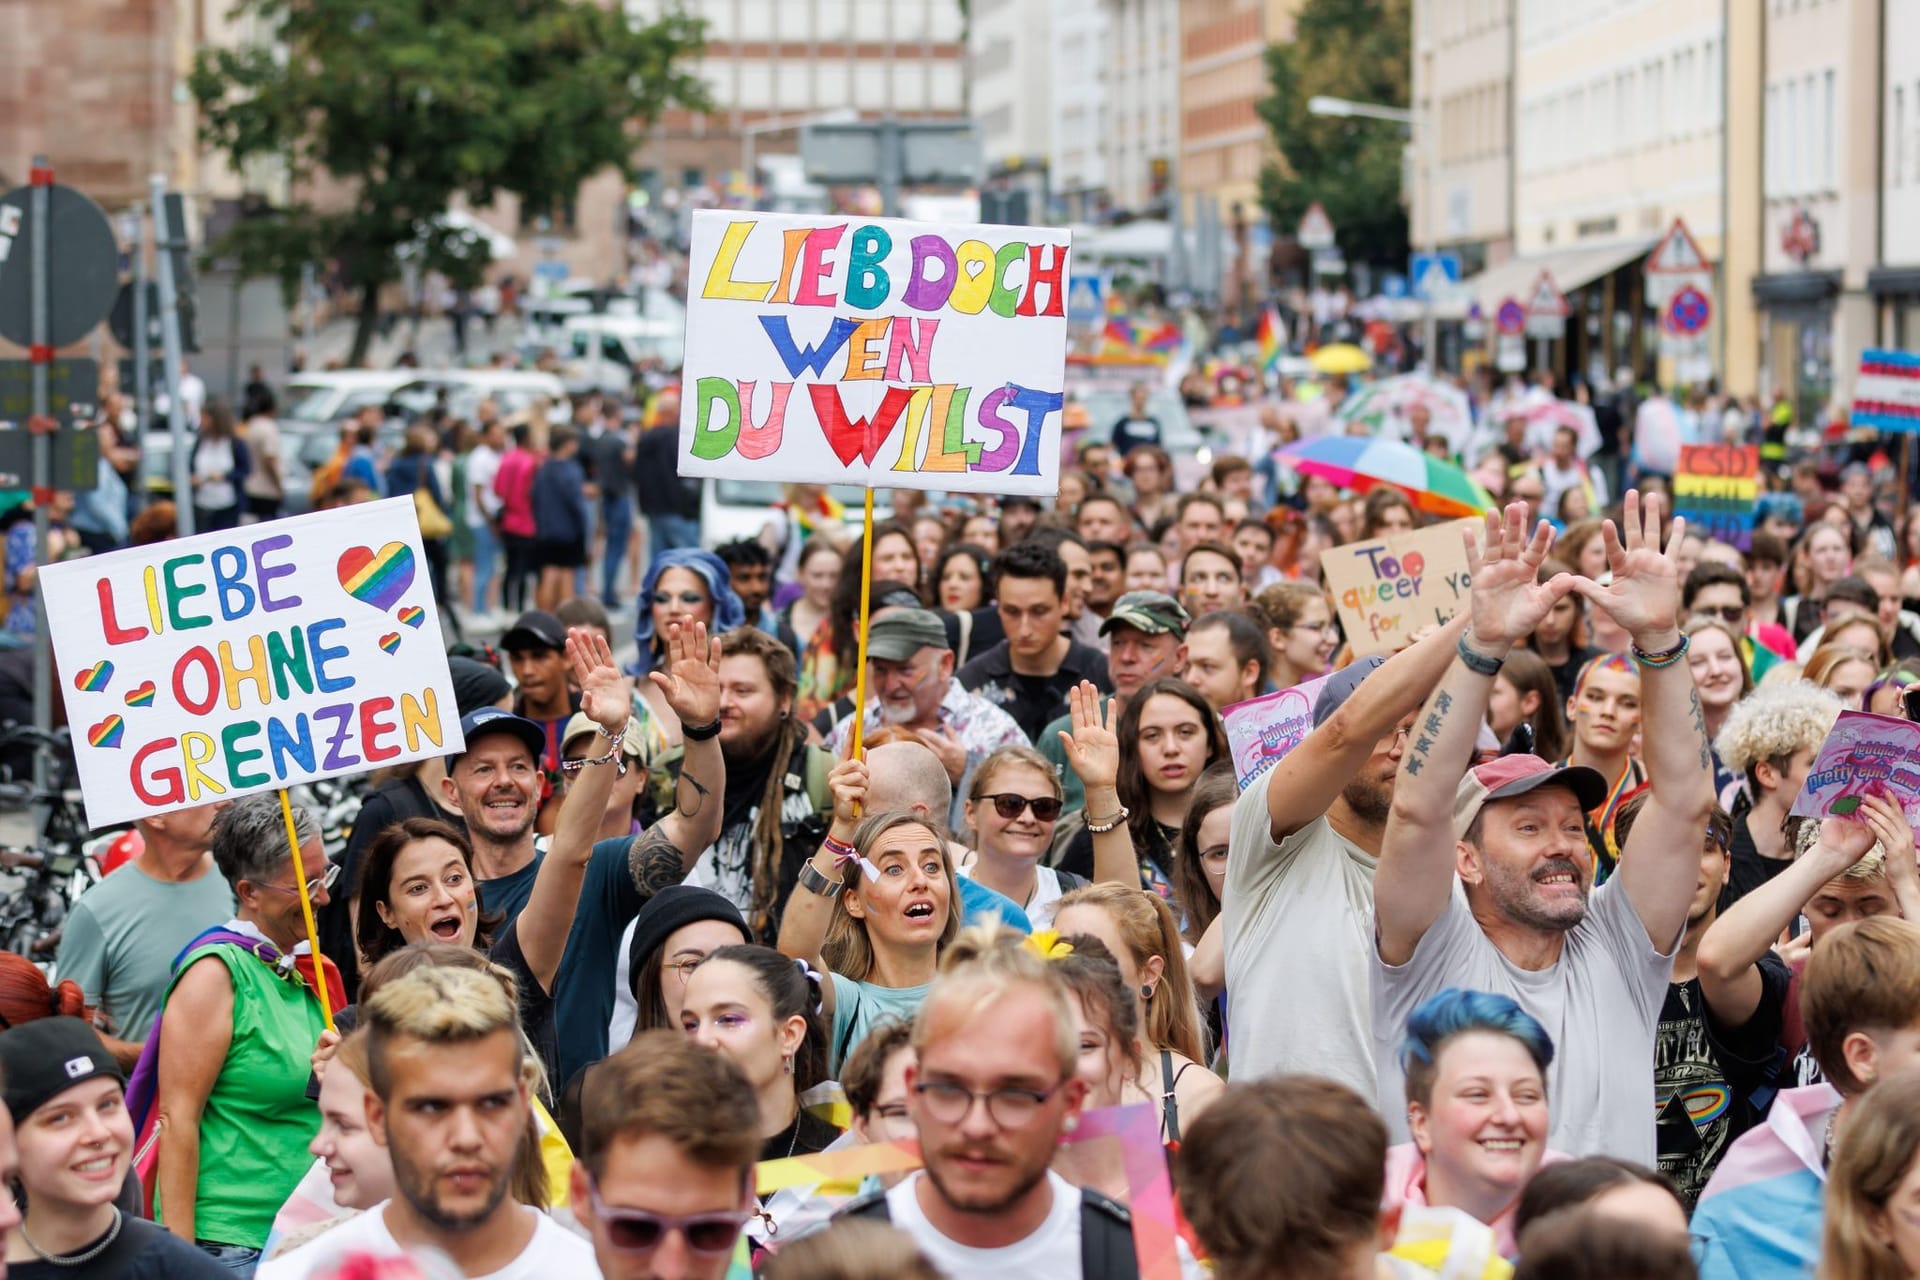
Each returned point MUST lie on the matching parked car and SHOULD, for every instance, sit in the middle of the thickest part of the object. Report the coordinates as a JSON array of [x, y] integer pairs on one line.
[[732, 509], [603, 351]]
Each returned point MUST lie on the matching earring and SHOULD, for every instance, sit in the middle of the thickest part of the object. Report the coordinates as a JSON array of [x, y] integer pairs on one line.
[[787, 1059], [1146, 991]]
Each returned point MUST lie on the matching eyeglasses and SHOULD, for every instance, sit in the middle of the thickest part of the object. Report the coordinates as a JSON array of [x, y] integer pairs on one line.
[[1008, 805], [949, 1103], [637, 1231], [683, 969], [692, 599], [1729, 613], [1216, 854], [325, 880], [1328, 628]]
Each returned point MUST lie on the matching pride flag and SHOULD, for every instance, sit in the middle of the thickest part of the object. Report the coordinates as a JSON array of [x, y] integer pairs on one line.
[[1272, 337]]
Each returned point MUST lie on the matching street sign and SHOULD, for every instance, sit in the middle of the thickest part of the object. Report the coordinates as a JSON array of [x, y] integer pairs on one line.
[[73, 390], [1511, 318], [1316, 228], [120, 320], [75, 466], [1677, 254], [1510, 353], [1434, 274], [1393, 285], [1688, 312], [83, 266], [1547, 309], [1329, 262], [1087, 299]]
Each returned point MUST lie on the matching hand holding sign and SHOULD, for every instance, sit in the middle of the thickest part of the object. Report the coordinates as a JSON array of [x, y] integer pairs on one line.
[[1387, 589]]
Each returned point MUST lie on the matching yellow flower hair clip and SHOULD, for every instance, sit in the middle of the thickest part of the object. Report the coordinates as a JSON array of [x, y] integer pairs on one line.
[[1048, 944]]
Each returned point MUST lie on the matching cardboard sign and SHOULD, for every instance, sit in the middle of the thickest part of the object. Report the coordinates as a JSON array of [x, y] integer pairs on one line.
[[1864, 755], [212, 667], [1260, 731], [875, 351], [1715, 489], [1388, 588]]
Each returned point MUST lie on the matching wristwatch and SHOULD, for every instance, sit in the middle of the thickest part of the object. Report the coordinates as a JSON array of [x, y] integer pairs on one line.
[[813, 882]]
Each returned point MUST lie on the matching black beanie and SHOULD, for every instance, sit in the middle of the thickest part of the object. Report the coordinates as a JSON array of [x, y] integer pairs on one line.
[[670, 909], [46, 1057], [475, 684]]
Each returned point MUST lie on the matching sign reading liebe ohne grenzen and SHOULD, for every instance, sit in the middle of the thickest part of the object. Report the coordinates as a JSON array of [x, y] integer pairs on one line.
[[212, 667], [874, 351]]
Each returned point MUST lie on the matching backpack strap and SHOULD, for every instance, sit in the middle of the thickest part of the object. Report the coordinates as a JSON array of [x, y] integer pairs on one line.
[[820, 763], [1106, 1239]]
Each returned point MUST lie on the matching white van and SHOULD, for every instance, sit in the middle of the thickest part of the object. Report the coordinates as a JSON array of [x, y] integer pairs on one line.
[[602, 351]]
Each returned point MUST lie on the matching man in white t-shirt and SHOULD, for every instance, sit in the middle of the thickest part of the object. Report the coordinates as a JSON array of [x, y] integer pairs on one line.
[[1299, 898], [1484, 879], [991, 1091], [449, 1102], [483, 507]]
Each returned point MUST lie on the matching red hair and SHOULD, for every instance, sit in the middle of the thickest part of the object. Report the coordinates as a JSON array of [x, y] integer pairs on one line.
[[25, 995]]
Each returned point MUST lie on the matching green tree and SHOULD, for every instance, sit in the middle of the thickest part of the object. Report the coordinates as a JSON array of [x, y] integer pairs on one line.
[[1354, 49], [397, 106]]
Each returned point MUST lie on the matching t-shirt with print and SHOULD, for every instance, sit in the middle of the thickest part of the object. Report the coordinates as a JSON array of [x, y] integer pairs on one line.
[[1599, 1002], [1052, 1250], [552, 1251], [1705, 1075], [859, 1007], [1299, 934]]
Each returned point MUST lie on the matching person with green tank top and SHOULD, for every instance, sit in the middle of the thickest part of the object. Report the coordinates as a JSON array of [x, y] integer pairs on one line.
[[239, 1025]]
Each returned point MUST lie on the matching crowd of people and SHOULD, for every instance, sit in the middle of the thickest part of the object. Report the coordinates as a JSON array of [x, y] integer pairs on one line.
[[1518, 963]]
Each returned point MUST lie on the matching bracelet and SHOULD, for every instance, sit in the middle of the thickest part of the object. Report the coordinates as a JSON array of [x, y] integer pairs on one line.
[[1478, 663], [813, 882], [1664, 658], [613, 757], [617, 734], [1101, 828], [700, 732]]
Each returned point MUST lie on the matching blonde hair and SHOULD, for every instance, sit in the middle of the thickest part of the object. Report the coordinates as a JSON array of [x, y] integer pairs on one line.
[[1872, 864], [1773, 722], [981, 966], [1870, 1161], [847, 948], [351, 1053], [438, 1006], [856, 1249], [1829, 658], [1148, 928], [1007, 757]]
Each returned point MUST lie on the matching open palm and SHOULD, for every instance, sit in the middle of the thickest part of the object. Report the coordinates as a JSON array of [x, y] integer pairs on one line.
[[1093, 748], [1508, 599], [603, 690], [1643, 594], [691, 681]]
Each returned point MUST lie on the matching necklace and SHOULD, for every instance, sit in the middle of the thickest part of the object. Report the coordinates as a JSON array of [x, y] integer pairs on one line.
[[76, 1259]]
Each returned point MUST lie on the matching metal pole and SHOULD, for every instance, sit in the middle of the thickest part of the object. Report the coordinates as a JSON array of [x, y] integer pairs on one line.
[[40, 201], [308, 305], [163, 234], [142, 349], [1430, 156], [892, 164]]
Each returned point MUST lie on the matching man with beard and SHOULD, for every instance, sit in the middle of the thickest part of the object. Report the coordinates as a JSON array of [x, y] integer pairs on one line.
[[991, 1091], [449, 1102], [910, 678], [1719, 1036], [777, 806], [1485, 874], [1299, 898]]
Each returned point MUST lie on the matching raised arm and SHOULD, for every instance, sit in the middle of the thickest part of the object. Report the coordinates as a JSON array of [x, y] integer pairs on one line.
[[1093, 751], [1887, 820], [543, 925], [1419, 851], [691, 685], [1661, 868], [803, 927], [1302, 785]]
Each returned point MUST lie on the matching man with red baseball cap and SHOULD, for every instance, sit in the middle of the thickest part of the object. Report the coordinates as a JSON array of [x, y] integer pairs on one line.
[[1485, 878]]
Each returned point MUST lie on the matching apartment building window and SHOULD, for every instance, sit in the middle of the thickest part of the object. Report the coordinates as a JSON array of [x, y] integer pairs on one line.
[[1829, 138], [1770, 159], [1899, 165]]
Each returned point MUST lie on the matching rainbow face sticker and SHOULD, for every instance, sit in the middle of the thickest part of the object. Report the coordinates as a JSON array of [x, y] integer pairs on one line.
[[378, 578], [108, 732], [94, 678]]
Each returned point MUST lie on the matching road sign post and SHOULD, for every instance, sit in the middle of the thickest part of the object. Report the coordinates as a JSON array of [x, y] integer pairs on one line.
[[165, 235], [1315, 231]]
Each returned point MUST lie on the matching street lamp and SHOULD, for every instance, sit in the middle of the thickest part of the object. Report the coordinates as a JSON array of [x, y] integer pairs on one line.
[[1427, 137]]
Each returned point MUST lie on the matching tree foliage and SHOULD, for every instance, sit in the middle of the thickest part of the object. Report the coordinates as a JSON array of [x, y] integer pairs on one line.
[[1354, 49], [394, 107]]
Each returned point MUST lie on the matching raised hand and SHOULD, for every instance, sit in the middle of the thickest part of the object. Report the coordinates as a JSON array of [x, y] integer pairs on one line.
[[604, 696], [1508, 600], [1847, 839], [1887, 819], [848, 782], [1093, 749], [691, 681], [1644, 594]]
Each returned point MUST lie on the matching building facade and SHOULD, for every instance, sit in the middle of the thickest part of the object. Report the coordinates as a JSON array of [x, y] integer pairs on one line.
[[1462, 196], [1142, 138], [1895, 283], [1080, 58]]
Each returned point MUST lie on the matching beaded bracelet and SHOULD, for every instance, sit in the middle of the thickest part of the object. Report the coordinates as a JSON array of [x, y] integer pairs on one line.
[[1664, 658]]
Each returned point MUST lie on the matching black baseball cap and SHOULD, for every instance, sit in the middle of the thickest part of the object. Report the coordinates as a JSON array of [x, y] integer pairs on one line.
[[44, 1058], [535, 629], [488, 720]]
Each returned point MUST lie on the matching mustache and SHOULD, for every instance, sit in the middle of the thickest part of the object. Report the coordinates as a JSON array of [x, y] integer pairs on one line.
[[1557, 866]]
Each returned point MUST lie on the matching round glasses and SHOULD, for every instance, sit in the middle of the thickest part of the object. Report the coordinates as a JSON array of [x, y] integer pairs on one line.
[[1009, 1108]]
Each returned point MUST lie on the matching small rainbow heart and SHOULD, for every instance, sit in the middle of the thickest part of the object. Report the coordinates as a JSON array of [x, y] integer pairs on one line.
[[378, 578], [390, 642], [413, 615], [108, 732], [141, 695], [95, 677]]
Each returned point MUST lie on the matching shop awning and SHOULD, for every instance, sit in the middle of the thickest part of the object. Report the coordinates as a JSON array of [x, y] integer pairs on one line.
[[1570, 268]]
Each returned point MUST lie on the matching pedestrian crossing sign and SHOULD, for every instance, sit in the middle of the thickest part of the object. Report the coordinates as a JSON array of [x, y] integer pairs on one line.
[[1677, 254]]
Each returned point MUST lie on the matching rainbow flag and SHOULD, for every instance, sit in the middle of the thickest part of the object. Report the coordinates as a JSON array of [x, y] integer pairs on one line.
[[1164, 338], [1271, 336]]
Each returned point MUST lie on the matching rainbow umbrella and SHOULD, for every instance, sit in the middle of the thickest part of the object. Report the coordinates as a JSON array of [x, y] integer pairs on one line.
[[1361, 463]]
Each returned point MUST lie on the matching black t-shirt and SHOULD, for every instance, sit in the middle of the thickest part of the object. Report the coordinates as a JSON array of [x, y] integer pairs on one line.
[[1564, 673], [1750, 869], [605, 458], [1033, 701], [1706, 1076], [142, 1251], [1129, 433]]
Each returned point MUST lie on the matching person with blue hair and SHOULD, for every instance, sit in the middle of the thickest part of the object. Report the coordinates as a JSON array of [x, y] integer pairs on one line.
[[684, 585], [1476, 1070]]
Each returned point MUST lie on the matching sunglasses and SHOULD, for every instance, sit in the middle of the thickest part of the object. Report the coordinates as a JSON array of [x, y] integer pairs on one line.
[[637, 1231], [325, 880], [1008, 805], [1729, 613]]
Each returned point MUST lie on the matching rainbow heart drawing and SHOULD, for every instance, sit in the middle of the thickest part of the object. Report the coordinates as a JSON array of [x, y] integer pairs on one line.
[[413, 615], [390, 642], [378, 578], [108, 732], [141, 695], [94, 678]]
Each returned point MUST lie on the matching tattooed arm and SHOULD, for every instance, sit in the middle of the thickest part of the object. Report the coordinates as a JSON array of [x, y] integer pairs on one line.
[[1419, 852], [1661, 866]]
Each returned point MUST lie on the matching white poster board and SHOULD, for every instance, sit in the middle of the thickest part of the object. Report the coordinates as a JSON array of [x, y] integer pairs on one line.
[[875, 351], [212, 667]]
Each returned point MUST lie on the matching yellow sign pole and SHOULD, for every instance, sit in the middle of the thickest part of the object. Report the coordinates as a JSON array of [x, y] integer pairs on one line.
[[866, 592], [306, 910]]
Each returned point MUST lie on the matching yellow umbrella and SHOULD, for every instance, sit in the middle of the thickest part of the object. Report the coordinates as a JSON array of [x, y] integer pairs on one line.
[[1341, 357]]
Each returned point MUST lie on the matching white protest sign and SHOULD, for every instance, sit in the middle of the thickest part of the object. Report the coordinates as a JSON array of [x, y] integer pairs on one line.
[[1261, 731], [875, 351], [216, 666]]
